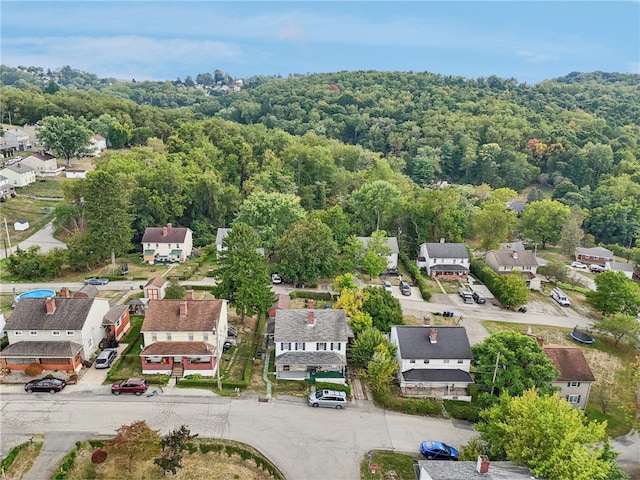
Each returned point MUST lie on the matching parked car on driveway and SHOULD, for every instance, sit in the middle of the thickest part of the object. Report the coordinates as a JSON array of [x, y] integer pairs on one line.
[[387, 286], [276, 279], [438, 451], [106, 358], [405, 289], [96, 281], [595, 268], [579, 265], [136, 386], [478, 297], [51, 385]]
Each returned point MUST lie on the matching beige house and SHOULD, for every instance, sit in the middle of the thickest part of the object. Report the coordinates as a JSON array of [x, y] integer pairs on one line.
[[167, 244], [575, 379], [523, 262], [19, 174], [43, 163]]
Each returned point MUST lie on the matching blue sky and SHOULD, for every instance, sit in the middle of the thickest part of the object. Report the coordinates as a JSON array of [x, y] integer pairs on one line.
[[162, 40]]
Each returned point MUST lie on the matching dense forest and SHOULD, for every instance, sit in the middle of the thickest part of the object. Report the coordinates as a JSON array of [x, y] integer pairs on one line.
[[358, 148]]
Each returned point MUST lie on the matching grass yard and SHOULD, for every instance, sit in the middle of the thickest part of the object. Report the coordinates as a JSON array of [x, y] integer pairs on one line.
[[611, 364], [49, 187], [24, 460], [36, 212], [387, 462]]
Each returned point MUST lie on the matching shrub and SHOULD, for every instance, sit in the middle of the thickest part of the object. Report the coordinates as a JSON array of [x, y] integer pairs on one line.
[[462, 410], [99, 456], [412, 406], [8, 460], [34, 370]]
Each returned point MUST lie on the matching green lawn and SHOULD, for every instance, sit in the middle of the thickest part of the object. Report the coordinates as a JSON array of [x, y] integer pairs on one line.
[[386, 463]]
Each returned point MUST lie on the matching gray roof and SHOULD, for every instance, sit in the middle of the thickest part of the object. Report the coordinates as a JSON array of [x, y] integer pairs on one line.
[[594, 252], [517, 246], [89, 290], [524, 258], [31, 313], [621, 267], [114, 314], [437, 375], [19, 168], [391, 242], [446, 250], [517, 206], [310, 358], [439, 470], [414, 344], [328, 326], [137, 301], [221, 234], [452, 267], [42, 349]]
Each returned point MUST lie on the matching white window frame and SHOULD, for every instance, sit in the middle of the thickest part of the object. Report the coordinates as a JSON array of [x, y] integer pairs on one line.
[[71, 333], [573, 384], [18, 333], [33, 333], [154, 337], [169, 337], [321, 346], [55, 333], [573, 398]]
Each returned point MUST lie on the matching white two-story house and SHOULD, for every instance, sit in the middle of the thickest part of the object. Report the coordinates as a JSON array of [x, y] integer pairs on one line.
[[19, 175], [576, 378], [447, 261], [166, 244], [311, 341], [433, 361], [392, 258]]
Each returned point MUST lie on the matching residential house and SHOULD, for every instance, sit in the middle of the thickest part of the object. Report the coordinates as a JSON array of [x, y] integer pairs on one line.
[[434, 361], [517, 207], [58, 333], [43, 163], [392, 258], [283, 301], [156, 288], [167, 244], [446, 261], [311, 342], [481, 469], [97, 146], [221, 234], [523, 262], [117, 323], [183, 337], [575, 379], [19, 175], [87, 291], [7, 190], [625, 268], [16, 138], [597, 255]]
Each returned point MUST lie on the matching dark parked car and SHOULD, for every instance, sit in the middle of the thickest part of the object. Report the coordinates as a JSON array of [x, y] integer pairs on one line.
[[51, 385], [106, 358], [438, 451], [96, 281], [478, 297], [405, 289], [131, 385]]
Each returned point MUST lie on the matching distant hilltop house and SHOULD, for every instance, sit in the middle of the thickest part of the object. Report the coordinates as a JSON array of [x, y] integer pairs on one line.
[[167, 244], [392, 258], [595, 255], [523, 262], [16, 139]]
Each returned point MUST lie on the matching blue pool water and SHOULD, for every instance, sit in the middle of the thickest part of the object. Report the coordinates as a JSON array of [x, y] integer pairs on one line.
[[40, 293]]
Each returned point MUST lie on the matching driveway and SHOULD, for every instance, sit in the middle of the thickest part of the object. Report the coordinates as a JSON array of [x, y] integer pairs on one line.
[[43, 238]]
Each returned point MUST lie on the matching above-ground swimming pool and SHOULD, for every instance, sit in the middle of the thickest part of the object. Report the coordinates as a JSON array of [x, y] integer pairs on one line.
[[39, 293]]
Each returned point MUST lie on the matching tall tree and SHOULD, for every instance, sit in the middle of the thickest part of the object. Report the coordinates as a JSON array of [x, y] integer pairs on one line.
[[615, 293], [384, 308], [381, 369], [374, 204], [542, 221], [364, 346], [493, 223], [511, 290], [135, 442], [374, 261], [571, 236], [241, 272], [65, 136], [620, 325]]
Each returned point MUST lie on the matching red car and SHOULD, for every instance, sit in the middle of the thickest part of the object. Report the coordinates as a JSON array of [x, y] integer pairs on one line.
[[131, 385]]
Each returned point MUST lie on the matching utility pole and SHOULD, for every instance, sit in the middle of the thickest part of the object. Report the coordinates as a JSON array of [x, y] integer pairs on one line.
[[495, 373], [6, 229]]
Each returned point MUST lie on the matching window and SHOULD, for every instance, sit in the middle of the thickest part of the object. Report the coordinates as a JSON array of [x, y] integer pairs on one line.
[[70, 333], [526, 268], [157, 245], [445, 361], [300, 346], [573, 398], [177, 245], [148, 245], [118, 323], [169, 245], [33, 333], [285, 346], [425, 361], [460, 361], [205, 336], [285, 368], [90, 342], [190, 336], [168, 336], [507, 267], [321, 346], [55, 333], [335, 346], [573, 384], [154, 337], [412, 361], [18, 333]]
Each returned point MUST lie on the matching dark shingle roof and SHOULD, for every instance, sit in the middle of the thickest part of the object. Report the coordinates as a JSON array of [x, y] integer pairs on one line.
[[328, 326], [595, 252], [452, 267], [155, 235], [447, 250], [164, 316], [156, 282], [310, 358], [31, 313], [439, 470], [570, 362], [42, 349], [178, 348], [114, 314], [414, 344], [436, 375]]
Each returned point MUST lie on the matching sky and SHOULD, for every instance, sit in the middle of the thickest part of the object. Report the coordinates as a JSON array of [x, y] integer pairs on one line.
[[528, 40]]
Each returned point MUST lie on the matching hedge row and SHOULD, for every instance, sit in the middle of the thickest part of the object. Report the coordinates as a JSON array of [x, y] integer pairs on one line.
[[411, 406], [324, 296], [67, 463], [416, 276]]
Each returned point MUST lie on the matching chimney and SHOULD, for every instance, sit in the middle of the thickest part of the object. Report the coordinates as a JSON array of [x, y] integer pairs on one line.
[[189, 294], [164, 231], [64, 292], [310, 319], [426, 320], [433, 335], [442, 240], [482, 465], [169, 226], [183, 308], [515, 254], [50, 303], [310, 304]]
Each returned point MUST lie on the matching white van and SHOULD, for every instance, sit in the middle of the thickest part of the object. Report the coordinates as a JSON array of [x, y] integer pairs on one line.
[[327, 398], [559, 296]]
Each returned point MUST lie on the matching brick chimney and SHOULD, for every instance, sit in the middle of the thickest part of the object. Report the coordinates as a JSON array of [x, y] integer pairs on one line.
[[164, 231], [310, 319], [426, 320], [482, 465], [310, 304], [189, 294], [433, 335], [50, 303], [169, 226], [64, 292], [183, 308], [515, 254]]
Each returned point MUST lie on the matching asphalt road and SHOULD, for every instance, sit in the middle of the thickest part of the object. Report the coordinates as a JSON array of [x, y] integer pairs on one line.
[[43, 238]]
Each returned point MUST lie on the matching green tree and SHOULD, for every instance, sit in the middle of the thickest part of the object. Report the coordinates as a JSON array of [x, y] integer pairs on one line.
[[555, 271], [175, 291], [335, 218], [542, 221], [571, 236], [521, 364], [493, 223], [344, 282], [31, 264], [374, 261], [65, 136], [550, 437], [384, 308], [174, 444], [119, 134], [374, 204], [241, 272], [306, 251], [381, 370], [615, 293], [135, 442], [364, 346], [511, 290], [271, 214], [620, 325]]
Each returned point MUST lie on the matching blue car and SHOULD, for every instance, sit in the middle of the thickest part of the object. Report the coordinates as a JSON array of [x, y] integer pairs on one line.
[[438, 451]]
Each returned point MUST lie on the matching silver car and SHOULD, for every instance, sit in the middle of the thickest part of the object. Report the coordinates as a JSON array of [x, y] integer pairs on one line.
[[106, 358], [328, 398]]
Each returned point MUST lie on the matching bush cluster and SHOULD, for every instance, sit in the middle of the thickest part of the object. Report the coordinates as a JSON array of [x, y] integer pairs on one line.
[[34, 370], [412, 406], [324, 296]]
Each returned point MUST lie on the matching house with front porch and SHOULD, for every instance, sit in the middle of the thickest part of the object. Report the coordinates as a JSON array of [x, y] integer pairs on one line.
[[576, 378], [58, 333], [311, 342], [7, 190], [183, 337], [523, 262], [596, 255], [433, 361], [167, 244], [19, 175], [444, 261]]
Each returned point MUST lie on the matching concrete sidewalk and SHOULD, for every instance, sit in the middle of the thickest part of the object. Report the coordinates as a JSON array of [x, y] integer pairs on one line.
[[56, 446]]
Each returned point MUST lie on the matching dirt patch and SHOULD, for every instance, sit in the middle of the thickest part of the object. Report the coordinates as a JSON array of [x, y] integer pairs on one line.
[[603, 365]]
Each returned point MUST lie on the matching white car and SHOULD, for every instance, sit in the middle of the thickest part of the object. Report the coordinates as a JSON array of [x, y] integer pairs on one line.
[[579, 265], [275, 278], [387, 286]]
